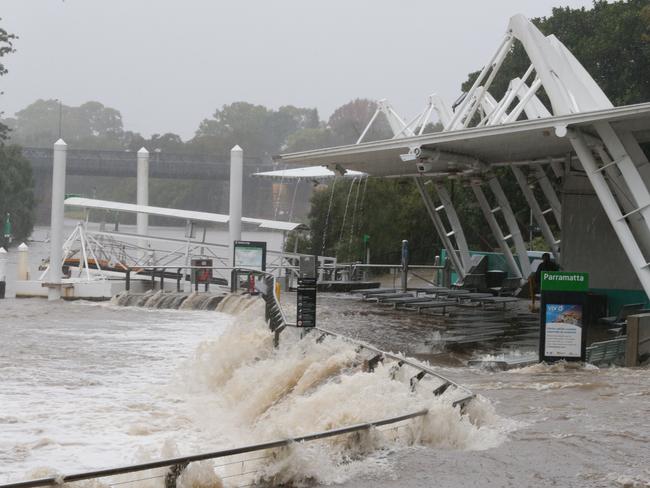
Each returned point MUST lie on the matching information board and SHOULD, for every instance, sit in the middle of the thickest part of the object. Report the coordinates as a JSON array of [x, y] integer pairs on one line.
[[563, 326], [250, 255], [306, 292], [306, 303], [563, 332]]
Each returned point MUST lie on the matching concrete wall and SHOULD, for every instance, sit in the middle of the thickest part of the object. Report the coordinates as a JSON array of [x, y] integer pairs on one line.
[[589, 243], [638, 340]]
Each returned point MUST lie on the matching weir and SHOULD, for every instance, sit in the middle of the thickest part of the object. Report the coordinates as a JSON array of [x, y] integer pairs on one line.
[[360, 358]]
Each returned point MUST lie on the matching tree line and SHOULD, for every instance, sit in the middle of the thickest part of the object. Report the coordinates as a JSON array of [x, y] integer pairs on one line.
[[612, 41]]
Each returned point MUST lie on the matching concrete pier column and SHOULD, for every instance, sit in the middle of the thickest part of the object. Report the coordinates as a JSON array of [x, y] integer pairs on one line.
[[143, 197], [56, 219], [3, 271], [236, 190], [22, 271]]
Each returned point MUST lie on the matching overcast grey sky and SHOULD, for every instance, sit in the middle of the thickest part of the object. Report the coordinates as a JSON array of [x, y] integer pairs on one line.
[[168, 64]]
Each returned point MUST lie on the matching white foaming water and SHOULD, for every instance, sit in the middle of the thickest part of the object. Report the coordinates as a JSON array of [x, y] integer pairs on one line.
[[85, 386], [243, 390], [119, 393]]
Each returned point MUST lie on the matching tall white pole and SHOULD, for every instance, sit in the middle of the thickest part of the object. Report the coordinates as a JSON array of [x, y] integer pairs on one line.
[[236, 190], [143, 196], [56, 219]]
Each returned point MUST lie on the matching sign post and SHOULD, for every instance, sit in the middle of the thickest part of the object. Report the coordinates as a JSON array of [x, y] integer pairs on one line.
[[306, 293], [6, 232], [405, 264], [563, 314], [250, 255]]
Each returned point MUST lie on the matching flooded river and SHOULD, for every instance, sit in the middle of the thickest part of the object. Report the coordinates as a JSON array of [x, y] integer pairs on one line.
[[87, 385]]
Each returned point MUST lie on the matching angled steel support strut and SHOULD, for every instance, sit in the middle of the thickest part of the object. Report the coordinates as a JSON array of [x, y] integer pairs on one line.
[[537, 212], [437, 223], [496, 230], [456, 228], [513, 226], [549, 193]]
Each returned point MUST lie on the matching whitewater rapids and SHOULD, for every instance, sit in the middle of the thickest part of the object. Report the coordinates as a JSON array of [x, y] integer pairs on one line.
[[235, 389]]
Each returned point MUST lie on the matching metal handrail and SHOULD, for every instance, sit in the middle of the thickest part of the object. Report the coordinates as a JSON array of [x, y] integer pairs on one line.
[[184, 460], [270, 296], [178, 464], [469, 395]]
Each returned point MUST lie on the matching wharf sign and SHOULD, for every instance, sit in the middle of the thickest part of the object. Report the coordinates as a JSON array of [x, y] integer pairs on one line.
[[562, 313], [564, 281]]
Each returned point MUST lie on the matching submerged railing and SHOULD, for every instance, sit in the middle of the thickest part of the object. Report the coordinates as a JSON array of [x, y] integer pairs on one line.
[[178, 464], [266, 286]]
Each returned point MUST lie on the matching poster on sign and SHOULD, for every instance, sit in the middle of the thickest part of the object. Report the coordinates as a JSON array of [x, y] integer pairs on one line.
[[250, 255], [563, 331]]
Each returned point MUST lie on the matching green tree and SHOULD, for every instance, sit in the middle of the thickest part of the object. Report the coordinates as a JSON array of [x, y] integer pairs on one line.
[[262, 132], [89, 126], [611, 40], [310, 138], [388, 210], [16, 190], [6, 47], [348, 122]]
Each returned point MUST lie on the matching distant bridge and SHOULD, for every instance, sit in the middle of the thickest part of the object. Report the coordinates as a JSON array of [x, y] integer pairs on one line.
[[123, 164], [82, 166]]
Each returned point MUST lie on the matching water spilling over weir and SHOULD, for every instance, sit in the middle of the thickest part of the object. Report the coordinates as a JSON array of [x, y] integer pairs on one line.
[[239, 389], [169, 300], [157, 383]]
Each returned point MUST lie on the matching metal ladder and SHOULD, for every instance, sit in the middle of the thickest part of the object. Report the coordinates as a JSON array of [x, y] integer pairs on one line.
[[513, 228], [445, 236], [538, 213]]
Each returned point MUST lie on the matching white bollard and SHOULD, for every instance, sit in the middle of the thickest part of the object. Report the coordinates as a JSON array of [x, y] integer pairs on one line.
[[236, 189], [143, 196], [56, 219], [23, 263], [3, 271]]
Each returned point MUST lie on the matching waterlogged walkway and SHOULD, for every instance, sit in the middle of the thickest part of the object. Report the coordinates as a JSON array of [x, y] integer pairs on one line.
[[87, 385]]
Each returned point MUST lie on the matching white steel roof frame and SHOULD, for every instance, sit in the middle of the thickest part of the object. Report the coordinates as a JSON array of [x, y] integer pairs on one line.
[[579, 110]]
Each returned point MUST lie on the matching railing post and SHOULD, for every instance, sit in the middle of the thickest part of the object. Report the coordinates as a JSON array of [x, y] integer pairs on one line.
[[179, 275], [174, 473], [233, 280], [153, 278], [405, 264], [162, 280], [128, 279]]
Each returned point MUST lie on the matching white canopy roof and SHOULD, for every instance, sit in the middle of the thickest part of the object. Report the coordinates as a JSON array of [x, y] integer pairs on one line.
[[521, 141], [309, 173], [191, 215]]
